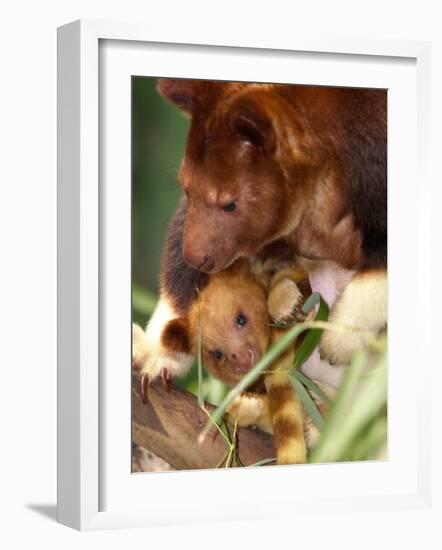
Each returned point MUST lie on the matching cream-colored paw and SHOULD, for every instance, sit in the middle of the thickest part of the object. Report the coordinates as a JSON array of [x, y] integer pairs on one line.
[[139, 347], [173, 365], [153, 358], [251, 409], [284, 298], [338, 348], [362, 306]]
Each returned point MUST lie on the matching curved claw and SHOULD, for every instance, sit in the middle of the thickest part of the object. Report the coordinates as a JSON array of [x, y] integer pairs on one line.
[[165, 377], [144, 384]]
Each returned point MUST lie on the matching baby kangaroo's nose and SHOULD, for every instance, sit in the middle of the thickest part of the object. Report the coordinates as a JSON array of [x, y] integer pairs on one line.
[[245, 360]]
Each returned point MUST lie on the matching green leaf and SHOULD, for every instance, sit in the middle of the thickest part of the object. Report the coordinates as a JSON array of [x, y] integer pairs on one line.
[[311, 385], [370, 440], [311, 302], [215, 390], [200, 395], [309, 404], [361, 397], [311, 339]]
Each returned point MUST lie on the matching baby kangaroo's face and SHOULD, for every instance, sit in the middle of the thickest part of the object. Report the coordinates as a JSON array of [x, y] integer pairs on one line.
[[235, 325]]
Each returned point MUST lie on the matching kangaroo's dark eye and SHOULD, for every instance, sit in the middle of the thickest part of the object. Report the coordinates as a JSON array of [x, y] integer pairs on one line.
[[231, 207], [217, 354], [241, 320]]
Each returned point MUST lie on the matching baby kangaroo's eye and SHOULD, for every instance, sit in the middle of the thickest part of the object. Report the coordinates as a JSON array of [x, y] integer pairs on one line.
[[231, 207], [217, 354], [241, 320]]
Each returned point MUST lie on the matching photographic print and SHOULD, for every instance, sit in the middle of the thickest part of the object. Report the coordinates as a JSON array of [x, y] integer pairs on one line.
[[259, 274]]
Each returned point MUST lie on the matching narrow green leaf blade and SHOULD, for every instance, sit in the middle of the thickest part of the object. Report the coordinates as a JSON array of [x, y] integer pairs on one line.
[[200, 395], [307, 401], [313, 336], [361, 396], [311, 385]]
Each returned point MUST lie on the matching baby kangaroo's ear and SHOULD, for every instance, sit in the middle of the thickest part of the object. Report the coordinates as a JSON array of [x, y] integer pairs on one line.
[[176, 336]]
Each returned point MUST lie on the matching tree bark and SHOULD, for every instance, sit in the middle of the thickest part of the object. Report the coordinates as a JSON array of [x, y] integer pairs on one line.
[[169, 425]]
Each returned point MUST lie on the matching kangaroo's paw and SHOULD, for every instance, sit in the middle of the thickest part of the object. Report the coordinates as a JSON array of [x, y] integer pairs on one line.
[[361, 306], [338, 348], [284, 300], [166, 366], [251, 409], [160, 352], [139, 347], [145, 381]]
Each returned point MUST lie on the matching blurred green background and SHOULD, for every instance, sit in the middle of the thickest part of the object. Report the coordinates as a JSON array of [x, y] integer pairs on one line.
[[158, 138]]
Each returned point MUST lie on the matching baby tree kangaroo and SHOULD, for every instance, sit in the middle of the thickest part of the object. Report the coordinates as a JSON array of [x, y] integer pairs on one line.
[[231, 317]]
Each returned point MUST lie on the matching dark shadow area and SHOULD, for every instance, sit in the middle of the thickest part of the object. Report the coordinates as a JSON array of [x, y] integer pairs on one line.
[[47, 510]]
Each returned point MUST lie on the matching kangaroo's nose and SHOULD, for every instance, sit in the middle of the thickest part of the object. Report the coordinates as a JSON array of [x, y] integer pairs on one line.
[[207, 263], [199, 260]]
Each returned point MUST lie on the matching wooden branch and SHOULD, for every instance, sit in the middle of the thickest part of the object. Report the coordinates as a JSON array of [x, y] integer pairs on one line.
[[169, 425]]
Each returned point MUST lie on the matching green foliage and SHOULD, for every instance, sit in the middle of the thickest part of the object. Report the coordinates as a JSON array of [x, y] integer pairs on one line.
[[307, 401], [357, 425], [311, 339], [158, 138], [143, 301], [311, 386]]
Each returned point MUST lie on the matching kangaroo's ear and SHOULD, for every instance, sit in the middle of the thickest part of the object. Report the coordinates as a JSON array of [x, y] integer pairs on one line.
[[189, 95], [176, 336], [251, 123]]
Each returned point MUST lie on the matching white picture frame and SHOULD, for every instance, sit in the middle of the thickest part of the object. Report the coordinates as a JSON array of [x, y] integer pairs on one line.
[[81, 434]]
